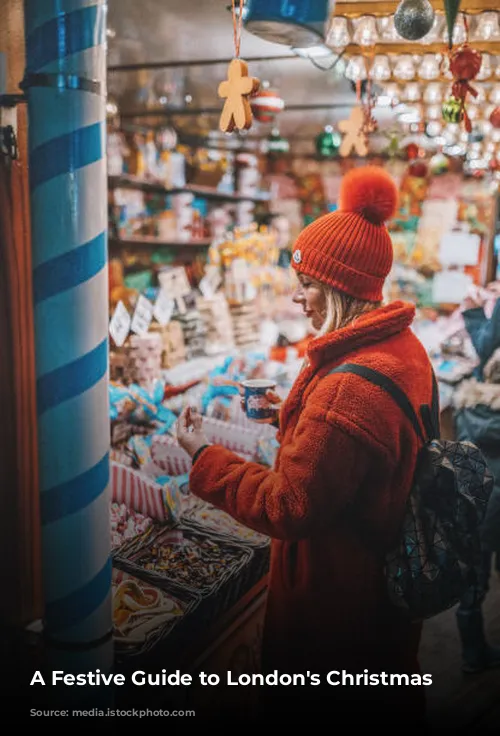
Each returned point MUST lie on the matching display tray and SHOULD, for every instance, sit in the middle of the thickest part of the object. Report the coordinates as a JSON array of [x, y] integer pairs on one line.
[[144, 612], [209, 517], [189, 556]]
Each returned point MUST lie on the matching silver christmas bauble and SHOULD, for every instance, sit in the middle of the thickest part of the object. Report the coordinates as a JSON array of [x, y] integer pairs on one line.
[[413, 19]]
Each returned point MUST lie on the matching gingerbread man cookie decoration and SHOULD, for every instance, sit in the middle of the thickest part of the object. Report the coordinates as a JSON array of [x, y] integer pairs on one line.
[[355, 138], [236, 90]]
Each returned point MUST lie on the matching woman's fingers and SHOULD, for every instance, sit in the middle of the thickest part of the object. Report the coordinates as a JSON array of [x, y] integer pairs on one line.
[[273, 397], [196, 419]]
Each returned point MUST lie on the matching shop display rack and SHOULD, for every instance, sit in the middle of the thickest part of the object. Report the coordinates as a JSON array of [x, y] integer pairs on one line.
[[128, 181]]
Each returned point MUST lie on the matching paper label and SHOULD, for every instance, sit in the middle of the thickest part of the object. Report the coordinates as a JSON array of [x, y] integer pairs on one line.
[[458, 248], [210, 282], [143, 315], [119, 325], [450, 287], [164, 307]]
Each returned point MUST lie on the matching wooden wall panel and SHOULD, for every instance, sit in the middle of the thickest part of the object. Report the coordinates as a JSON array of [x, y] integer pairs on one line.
[[20, 601]]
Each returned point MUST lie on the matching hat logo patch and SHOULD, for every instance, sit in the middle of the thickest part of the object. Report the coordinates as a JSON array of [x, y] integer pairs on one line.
[[297, 257]]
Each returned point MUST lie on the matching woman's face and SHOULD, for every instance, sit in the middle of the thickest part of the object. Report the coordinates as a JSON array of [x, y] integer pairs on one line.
[[311, 297]]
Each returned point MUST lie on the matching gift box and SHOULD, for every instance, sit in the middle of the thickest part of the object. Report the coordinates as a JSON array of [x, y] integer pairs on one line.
[[143, 494]]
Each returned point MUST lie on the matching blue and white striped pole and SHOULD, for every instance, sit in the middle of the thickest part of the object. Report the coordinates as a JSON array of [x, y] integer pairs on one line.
[[65, 83]]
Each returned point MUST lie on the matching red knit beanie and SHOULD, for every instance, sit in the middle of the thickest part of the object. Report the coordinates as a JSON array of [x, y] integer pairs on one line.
[[351, 249]]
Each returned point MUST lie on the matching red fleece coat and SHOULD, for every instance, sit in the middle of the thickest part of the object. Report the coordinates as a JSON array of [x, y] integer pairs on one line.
[[334, 502]]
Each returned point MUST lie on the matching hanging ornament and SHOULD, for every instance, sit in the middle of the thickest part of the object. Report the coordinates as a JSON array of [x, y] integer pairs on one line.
[[276, 145], [418, 169], [355, 139], [465, 63], [414, 19], [266, 104], [411, 151], [452, 110], [495, 117], [327, 143], [439, 164], [237, 88], [451, 8]]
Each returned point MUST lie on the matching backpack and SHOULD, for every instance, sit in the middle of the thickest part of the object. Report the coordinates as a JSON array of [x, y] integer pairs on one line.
[[438, 555]]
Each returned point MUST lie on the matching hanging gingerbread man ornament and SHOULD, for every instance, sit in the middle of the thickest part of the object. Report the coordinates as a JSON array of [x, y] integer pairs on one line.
[[355, 137], [238, 87]]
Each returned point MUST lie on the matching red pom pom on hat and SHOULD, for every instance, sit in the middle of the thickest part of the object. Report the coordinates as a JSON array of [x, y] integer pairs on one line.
[[370, 192]]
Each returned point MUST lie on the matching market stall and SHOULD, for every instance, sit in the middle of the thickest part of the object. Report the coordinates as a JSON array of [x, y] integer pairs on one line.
[[172, 259]]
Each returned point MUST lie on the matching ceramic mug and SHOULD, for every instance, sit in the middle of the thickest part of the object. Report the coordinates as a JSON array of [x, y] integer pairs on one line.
[[257, 406]]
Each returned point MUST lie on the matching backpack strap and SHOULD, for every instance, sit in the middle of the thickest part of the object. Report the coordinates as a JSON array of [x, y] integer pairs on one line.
[[385, 383], [431, 415]]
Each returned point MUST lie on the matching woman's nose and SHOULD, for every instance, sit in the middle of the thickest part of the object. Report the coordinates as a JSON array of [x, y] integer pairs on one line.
[[298, 295]]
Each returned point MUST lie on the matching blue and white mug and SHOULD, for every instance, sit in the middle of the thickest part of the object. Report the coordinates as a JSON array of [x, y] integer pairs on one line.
[[257, 405]]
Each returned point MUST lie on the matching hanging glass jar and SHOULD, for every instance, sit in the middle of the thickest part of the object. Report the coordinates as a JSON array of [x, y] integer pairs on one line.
[[404, 68], [365, 31], [381, 69], [356, 69], [429, 67], [434, 35], [433, 94], [486, 69], [387, 31], [480, 98], [412, 92], [486, 27], [494, 96], [459, 33], [338, 35], [434, 112]]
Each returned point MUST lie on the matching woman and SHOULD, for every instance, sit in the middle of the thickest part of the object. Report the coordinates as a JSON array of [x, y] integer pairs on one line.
[[334, 501]]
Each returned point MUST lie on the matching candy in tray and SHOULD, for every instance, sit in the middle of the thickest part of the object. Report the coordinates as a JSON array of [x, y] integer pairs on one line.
[[192, 559], [142, 612], [126, 524], [214, 519]]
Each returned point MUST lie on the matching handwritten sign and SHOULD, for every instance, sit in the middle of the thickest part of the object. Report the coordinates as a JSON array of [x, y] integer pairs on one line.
[[119, 326], [143, 314]]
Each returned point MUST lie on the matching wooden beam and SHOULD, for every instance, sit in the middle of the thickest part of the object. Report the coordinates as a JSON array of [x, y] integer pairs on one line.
[[352, 9], [405, 47]]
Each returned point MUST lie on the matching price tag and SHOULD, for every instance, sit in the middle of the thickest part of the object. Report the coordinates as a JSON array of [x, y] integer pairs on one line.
[[459, 248], [175, 283], [119, 326], [210, 282], [164, 307], [143, 315]]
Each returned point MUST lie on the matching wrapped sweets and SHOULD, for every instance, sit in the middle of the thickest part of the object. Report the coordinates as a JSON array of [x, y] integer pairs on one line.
[[246, 324], [143, 358], [194, 333], [174, 348], [187, 558], [126, 524], [140, 609], [218, 323], [207, 515]]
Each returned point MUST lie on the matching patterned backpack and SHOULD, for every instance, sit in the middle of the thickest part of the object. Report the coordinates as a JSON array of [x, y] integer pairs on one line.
[[438, 555]]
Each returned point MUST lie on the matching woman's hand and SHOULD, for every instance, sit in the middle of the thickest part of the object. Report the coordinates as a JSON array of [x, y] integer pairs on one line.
[[190, 435]]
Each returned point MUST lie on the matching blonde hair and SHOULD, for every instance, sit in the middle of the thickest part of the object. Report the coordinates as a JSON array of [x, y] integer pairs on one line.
[[341, 309]]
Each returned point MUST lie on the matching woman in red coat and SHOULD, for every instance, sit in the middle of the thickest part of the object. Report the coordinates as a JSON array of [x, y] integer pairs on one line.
[[334, 502]]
